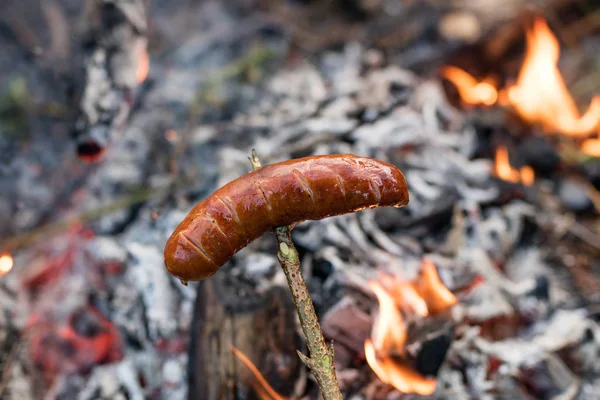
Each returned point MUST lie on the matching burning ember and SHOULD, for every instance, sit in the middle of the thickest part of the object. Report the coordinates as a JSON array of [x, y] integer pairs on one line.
[[6, 264], [540, 95], [386, 349], [261, 386], [143, 65], [86, 339], [506, 172]]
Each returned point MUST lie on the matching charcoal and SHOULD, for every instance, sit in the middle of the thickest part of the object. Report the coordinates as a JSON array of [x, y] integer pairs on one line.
[[591, 170], [539, 153], [86, 324], [541, 290], [428, 342], [573, 196]]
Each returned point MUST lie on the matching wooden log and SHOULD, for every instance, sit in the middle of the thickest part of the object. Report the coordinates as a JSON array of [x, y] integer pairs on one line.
[[116, 63], [262, 326]]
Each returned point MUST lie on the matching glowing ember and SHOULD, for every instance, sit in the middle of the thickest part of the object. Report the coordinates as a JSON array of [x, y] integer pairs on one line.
[[75, 345], [6, 264], [171, 135], [471, 91], [143, 66], [261, 386], [506, 172], [540, 94], [425, 295], [591, 147]]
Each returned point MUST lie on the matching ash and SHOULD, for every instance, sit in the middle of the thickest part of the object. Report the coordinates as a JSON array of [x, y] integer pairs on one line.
[[89, 310]]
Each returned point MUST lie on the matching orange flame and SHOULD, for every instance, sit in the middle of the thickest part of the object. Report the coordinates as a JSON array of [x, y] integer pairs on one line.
[[143, 65], [6, 264], [397, 375], [389, 332], [432, 290], [591, 147], [426, 295], [471, 91], [506, 172], [261, 386], [540, 94], [527, 175]]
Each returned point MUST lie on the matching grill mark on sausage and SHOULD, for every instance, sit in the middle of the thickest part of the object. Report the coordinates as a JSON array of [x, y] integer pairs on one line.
[[198, 247], [341, 183], [216, 223], [267, 202], [234, 213], [375, 190], [304, 182]]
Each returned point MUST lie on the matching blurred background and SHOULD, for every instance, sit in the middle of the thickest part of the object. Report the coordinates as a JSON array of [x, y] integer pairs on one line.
[[117, 116]]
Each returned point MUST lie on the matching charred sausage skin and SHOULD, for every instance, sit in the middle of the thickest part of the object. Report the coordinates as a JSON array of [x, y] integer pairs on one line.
[[280, 194]]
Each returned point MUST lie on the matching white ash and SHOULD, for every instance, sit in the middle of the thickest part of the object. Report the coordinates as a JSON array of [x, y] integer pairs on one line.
[[174, 376], [564, 328], [148, 273], [485, 302], [105, 249], [20, 384], [342, 69], [257, 265], [116, 381], [122, 171]]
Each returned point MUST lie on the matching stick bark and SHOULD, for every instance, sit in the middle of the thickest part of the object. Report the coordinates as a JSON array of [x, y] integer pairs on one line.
[[321, 360]]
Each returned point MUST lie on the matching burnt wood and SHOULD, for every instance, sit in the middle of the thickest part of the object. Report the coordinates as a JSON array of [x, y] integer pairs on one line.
[[260, 325]]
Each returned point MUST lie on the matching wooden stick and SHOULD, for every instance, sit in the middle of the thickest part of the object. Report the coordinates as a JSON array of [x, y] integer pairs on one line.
[[321, 360]]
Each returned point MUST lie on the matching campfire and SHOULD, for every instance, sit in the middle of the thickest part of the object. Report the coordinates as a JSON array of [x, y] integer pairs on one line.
[[484, 285], [539, 96]]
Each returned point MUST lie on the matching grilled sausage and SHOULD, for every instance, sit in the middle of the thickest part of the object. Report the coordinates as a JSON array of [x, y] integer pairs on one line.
[[309, 188]]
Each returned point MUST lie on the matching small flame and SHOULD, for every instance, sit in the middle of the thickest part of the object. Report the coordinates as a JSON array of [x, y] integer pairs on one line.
[[410, 300], [527, 175], [143, 65], [6, 264], [471, 91], [261, 386], [591, 147], [389, 332], [397, 375], [426, 295], [540, 94], [432, 290], [506, 172]]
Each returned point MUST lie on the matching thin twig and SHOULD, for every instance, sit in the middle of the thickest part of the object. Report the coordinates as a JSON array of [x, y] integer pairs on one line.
[[321, 360], [138, 196]]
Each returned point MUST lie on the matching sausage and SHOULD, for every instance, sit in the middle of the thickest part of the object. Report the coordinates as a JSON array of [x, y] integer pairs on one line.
[[280, 194]]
